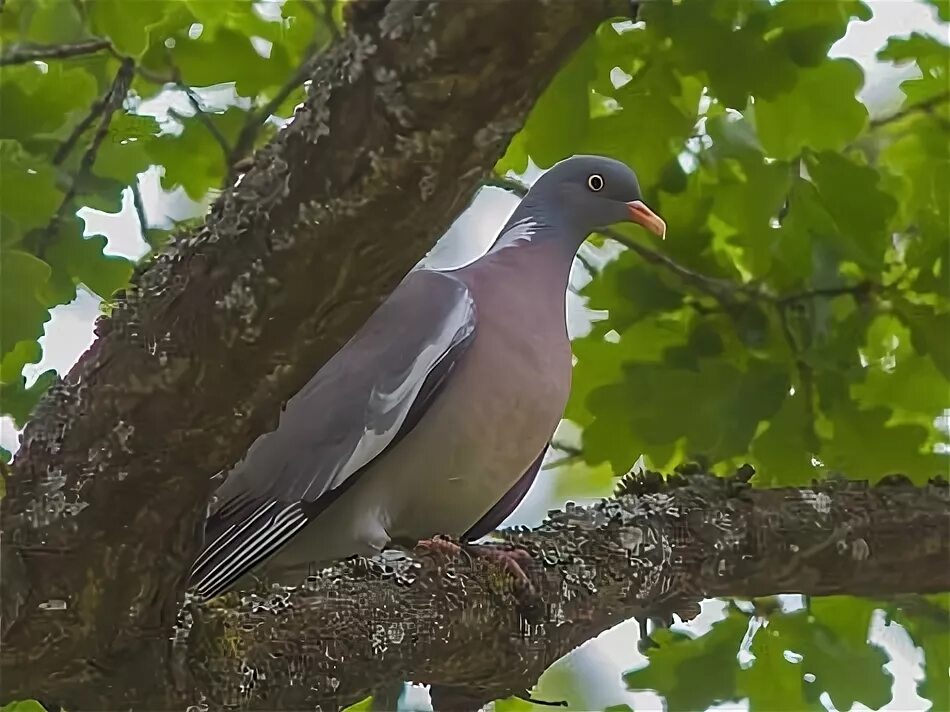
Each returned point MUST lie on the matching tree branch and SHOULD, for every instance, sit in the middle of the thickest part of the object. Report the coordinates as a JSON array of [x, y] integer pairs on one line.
[[103, 110], [927, 106], [654, 550], [104, 503], [22, 55], [200, 113]]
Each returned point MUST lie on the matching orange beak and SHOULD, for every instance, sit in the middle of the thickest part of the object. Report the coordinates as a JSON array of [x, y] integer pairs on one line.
[[642, 215]]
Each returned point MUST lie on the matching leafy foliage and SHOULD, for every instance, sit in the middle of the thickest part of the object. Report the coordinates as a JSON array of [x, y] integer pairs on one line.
[[813, 336], [790, 660], [62, 147]]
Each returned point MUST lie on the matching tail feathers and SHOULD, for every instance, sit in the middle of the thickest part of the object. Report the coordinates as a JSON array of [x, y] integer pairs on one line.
[[237, 548]]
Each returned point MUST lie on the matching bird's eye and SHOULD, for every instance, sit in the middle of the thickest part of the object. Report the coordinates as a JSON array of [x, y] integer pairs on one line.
[[595, 182]]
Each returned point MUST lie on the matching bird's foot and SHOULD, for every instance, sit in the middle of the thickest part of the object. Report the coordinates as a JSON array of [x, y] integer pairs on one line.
[[440, 545], [511, 560]]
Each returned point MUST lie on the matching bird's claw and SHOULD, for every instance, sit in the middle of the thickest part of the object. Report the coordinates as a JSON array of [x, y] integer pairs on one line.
[[509, 559]]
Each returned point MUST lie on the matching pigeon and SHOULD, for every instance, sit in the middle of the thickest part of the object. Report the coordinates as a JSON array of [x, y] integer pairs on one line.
[[434, 418]]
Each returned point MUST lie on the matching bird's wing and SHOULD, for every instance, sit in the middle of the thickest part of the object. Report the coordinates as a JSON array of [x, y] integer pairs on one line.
[[366, 398]]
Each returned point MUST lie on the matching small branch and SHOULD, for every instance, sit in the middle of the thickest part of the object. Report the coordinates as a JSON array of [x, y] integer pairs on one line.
[[140, 209], [111, 103], [255, 119], [22, 55], [200, 113], [926, 106], [95, 111], [720, 289], [806, 380], [724, 291], [154, 77], [858, 290]]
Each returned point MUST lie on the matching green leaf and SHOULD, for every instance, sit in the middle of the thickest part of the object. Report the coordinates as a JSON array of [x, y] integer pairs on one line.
[[901, 379], [927, 626], [631, 290], [800, 118], [28, 192], [194, 159], [919, 159], [866, 445], [23, 706], [225, 55], [861, 211], [11, 365], [928, 330], [783, 451], [22, 312], [123, 154], [807, 30], [752, 66], [127, 23], [694, 673], [49, 22], [716, 408], [18, 401], [211, 12], [82, 259], [932, 58], [364, 705], [943, 12], [832, 640], [558, 123], [37, 102]]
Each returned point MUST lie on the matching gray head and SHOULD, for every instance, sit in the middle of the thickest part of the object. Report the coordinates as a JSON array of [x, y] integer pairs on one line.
[[584, 193]]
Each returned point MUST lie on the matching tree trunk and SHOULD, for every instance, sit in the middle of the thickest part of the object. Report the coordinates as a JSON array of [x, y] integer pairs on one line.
[[405, 116]]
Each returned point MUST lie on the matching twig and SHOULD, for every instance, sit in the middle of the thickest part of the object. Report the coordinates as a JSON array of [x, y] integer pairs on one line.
[[806, 381], [255, 119], [526, 696], [95, 111], [22, 55], [724, 291], [856, 289], [720, 289], [154, 76], [926, 106], [328, 16], [140, 209], [113, 101], [200, 112]]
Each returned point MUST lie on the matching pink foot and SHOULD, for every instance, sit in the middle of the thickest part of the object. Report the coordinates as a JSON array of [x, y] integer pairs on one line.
[[509, 559]]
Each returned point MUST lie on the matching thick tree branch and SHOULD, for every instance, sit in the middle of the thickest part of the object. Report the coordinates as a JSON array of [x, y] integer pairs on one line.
[[104, 502], [655, 550]]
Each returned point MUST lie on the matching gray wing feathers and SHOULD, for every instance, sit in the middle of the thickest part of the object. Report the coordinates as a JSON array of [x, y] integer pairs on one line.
[[342, 419]]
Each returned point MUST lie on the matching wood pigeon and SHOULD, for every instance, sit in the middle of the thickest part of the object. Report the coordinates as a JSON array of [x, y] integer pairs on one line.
[[434, 418]]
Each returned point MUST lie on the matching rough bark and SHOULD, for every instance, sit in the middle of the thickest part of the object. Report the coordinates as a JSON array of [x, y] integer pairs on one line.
[[653, 550], [404, 117]]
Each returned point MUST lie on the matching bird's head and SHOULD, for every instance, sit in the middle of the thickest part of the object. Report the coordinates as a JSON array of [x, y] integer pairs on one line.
[[591, 192]]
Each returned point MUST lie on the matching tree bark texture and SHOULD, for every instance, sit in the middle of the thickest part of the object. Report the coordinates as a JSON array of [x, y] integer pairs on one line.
[[405, 116]]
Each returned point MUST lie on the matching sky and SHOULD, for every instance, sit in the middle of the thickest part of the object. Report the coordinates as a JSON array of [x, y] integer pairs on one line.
[[600, 662]]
